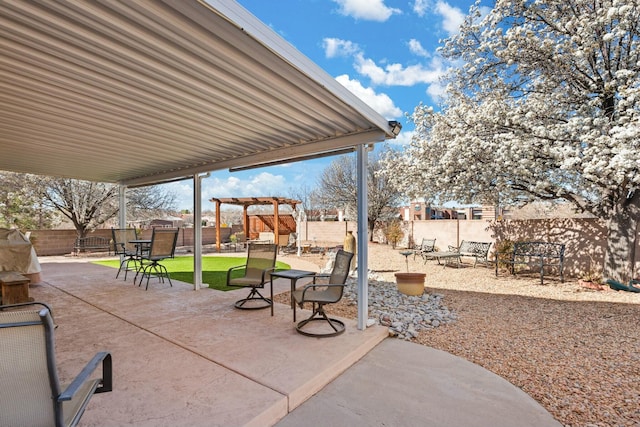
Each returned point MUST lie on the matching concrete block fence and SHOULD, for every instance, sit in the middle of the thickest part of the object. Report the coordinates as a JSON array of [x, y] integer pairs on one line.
[[585, 239]]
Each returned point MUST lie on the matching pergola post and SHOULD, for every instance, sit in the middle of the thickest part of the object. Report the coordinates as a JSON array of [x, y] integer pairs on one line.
[[218, 203], [276, 222], [245, 221]]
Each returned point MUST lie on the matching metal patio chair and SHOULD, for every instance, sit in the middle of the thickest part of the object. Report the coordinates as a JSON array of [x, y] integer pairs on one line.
[[322, 294], [261, 261], [162, 246], [30, 390], [125, 248]]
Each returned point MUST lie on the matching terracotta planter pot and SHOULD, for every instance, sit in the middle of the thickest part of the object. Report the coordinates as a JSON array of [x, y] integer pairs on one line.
[[410, 283]]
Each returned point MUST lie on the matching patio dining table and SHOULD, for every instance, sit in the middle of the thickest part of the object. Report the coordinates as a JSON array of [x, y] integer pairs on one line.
[[293, 276], [141, 244]]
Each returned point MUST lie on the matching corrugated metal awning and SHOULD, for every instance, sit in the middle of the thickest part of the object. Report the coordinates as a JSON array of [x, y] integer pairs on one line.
[[138, 92]]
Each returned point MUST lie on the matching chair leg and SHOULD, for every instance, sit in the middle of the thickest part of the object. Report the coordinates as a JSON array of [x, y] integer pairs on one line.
[[319, 315], [165, 273], [159, 270], [126, 266], [254, 295], [120, 268]]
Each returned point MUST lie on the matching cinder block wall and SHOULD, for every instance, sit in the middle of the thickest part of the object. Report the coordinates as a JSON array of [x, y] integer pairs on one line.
[[61, 242], [585, 239]]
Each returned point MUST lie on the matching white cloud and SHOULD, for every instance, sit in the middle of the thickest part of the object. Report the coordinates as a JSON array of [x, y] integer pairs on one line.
[[337, 47], [218, 185], [399, 75], [266, 184], [416, 48], [436, 90], [403, 139], [420, 7], [453, 17], [380, 102], [370, 10]]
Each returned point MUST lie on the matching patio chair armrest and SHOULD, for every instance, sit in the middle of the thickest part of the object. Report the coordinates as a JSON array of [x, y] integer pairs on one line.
[[231, 269], [321, 276], [319, 285], [267, 270], [106, 383]]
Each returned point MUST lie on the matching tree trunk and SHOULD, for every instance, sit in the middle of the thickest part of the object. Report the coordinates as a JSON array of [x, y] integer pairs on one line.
[[620, 257]]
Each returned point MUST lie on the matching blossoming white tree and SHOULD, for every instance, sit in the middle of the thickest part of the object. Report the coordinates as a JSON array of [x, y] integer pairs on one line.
[[543, 106]]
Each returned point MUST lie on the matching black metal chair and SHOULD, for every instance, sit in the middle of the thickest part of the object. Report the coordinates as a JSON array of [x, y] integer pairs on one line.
[[162, 246], [30, 390], [322, 294], [261, 261], [128, 251]]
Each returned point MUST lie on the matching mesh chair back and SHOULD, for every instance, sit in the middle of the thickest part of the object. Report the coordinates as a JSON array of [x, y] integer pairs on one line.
[[26, 389], [260, 257], [339, 275], [163, 243], [122, 238], [341, 267]]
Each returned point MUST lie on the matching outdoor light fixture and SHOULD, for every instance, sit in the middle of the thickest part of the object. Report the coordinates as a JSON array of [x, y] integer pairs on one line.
[[395, 127]]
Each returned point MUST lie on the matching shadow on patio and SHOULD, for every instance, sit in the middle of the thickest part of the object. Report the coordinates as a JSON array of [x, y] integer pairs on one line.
[[186, 358]]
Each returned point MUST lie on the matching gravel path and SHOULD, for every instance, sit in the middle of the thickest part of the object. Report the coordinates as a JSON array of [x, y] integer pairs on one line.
[[573, 349]]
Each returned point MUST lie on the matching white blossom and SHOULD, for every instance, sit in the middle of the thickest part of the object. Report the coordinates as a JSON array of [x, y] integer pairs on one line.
[[545, 106]]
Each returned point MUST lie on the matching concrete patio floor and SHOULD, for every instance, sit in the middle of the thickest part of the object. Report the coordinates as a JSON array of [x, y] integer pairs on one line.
[[188, 358]]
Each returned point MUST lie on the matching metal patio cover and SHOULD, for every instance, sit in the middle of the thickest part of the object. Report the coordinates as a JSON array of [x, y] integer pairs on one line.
[[139, 92]]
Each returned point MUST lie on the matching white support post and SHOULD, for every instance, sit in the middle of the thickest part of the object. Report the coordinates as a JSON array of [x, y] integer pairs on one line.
[[122, 206], [363, 240], [197, 230]]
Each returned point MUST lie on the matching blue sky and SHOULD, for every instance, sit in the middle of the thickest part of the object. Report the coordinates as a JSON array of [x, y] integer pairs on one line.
[[382, 50]]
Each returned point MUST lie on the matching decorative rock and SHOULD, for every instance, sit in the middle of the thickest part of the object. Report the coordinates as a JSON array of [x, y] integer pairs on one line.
[[404, 315]]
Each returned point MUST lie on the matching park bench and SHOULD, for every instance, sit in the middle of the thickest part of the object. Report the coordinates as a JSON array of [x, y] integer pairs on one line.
[[540, 254], [479, 251], [93, 243]]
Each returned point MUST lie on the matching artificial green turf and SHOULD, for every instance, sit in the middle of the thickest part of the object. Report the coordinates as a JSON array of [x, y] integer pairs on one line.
[[214, 269]]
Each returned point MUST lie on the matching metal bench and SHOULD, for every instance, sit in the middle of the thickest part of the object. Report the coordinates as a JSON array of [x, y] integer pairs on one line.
[[543, 254], [93, 243], [479, 251]]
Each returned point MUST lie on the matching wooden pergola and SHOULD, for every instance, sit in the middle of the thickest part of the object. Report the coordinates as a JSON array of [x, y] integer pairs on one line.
[[245, 202]]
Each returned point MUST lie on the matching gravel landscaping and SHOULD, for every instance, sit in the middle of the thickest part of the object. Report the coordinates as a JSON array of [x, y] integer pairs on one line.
[[573, 349]]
